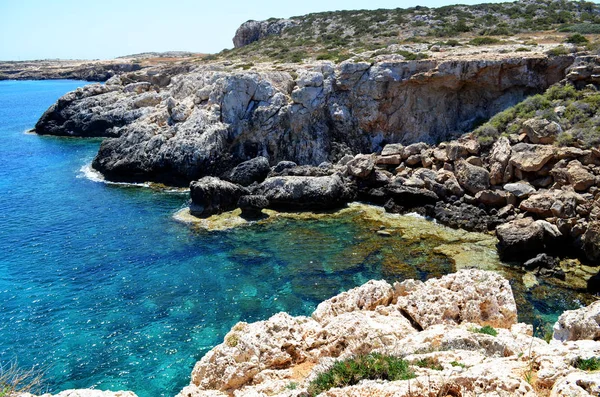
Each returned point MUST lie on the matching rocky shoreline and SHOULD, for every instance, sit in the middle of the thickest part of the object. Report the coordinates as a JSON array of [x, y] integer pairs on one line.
[[459, 335]]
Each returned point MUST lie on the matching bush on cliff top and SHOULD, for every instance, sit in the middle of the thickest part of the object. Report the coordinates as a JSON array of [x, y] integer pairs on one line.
[[351, 371], [576, 111]]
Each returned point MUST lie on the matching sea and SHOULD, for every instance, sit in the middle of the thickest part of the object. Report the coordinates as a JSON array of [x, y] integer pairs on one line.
[[100, 287]]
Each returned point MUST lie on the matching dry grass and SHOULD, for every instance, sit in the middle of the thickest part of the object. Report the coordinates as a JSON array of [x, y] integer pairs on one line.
[[14, 379]]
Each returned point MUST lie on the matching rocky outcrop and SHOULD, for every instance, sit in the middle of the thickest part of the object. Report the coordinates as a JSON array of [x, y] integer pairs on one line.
[[439, 339], [306, 192], [210, 119], [211, 195], [252, 31], [579, 324], [61, 69]]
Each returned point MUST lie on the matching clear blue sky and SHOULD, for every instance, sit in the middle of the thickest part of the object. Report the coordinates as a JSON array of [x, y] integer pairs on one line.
[[101, 29]]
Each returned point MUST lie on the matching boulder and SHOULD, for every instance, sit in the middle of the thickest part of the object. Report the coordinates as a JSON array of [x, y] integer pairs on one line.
[[541, 130], [282, 165], [577, 384], [361, 166], [558, 203], [248, 172], [252, 205], [578, 324], [579, 176], [211, 195], [409, 197], [521, 190], [520, 239], [531, 158], [472, 296], [392, 149], [471, 177], [307, 192], [495, 198], [499, 157]]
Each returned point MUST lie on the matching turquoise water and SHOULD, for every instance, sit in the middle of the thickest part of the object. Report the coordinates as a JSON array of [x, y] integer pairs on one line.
[[102, 288]]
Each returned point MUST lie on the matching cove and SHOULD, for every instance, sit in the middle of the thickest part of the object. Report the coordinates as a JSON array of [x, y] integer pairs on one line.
[[100, 285]]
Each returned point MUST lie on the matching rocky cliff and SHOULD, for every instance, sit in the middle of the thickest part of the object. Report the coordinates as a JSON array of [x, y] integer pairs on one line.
[[207, 120]]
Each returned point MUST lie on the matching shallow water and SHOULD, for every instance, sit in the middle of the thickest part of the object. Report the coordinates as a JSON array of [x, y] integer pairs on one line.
[[100, 286]]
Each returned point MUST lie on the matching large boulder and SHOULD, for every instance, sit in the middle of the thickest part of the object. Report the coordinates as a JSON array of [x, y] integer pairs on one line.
[[248, 172], [541, 130], [408, 196], [471, 177], [307, 192], [499, 157], [531, 158], [520, 239], [252, 205], [579, 324], [591, 242], [211, 195]]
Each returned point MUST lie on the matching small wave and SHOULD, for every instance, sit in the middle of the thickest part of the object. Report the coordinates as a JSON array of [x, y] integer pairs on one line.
[[96, 176], [93, 175]]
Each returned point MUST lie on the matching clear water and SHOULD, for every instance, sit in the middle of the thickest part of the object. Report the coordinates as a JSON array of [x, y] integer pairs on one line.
[[102, 288]]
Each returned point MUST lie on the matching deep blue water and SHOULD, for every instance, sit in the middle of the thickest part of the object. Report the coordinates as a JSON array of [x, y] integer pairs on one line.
[[102, 288]]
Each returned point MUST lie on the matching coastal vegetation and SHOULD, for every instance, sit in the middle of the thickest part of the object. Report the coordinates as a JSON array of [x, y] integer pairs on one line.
[[350, 371], [339, 35]]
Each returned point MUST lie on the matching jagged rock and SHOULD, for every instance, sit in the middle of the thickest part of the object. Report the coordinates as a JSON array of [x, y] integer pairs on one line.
[[559, 203], [531, 158], [306, 192], [499, 157], [579, 324], [465, 216], [579, 177], [541, 261], [521, 238], [252, 205], [248, 172], [366, 297], [212, 195], [392, 149], [471, 177], [466, 296], [414, 150], [361, 166], [541, 130], [495, 198], [521, 190], [252, 31]]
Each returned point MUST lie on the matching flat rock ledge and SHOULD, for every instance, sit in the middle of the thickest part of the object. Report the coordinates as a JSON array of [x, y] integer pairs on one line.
[[436, 321]]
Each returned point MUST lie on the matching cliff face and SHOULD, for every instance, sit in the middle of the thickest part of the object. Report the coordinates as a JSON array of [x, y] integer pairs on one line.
[[252, 31], [205, 121]]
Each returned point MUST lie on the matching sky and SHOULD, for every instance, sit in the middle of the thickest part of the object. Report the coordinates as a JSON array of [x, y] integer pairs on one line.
[[103, 29]]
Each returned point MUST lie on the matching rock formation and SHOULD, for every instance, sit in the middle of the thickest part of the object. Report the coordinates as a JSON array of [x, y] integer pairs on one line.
[[435, 322], [252, 31], [208, 120]]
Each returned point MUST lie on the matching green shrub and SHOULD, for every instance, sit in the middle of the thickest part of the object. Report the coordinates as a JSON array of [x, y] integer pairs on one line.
[[577, 39], [557, 51], [485, 41], [588, 364], [582, 28], [457, 364], [351, 371], [561, 92], [486, 329]]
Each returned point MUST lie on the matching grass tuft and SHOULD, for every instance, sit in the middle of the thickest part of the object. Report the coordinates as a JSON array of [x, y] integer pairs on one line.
[[351, 371], [588, 364]]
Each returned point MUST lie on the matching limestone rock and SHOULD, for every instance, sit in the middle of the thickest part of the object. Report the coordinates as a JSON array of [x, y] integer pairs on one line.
[[521, 238], [212, 195], [577, 384], [252, 205], [392, 149], [495, 198], [471, 177], [486, 298], [361, 166], [591, 241], [252, 31], [580, 177], [541, 130], [366, 297], [499, 157], [521, 190], [579, 324], [84, 393], [531, 158]]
